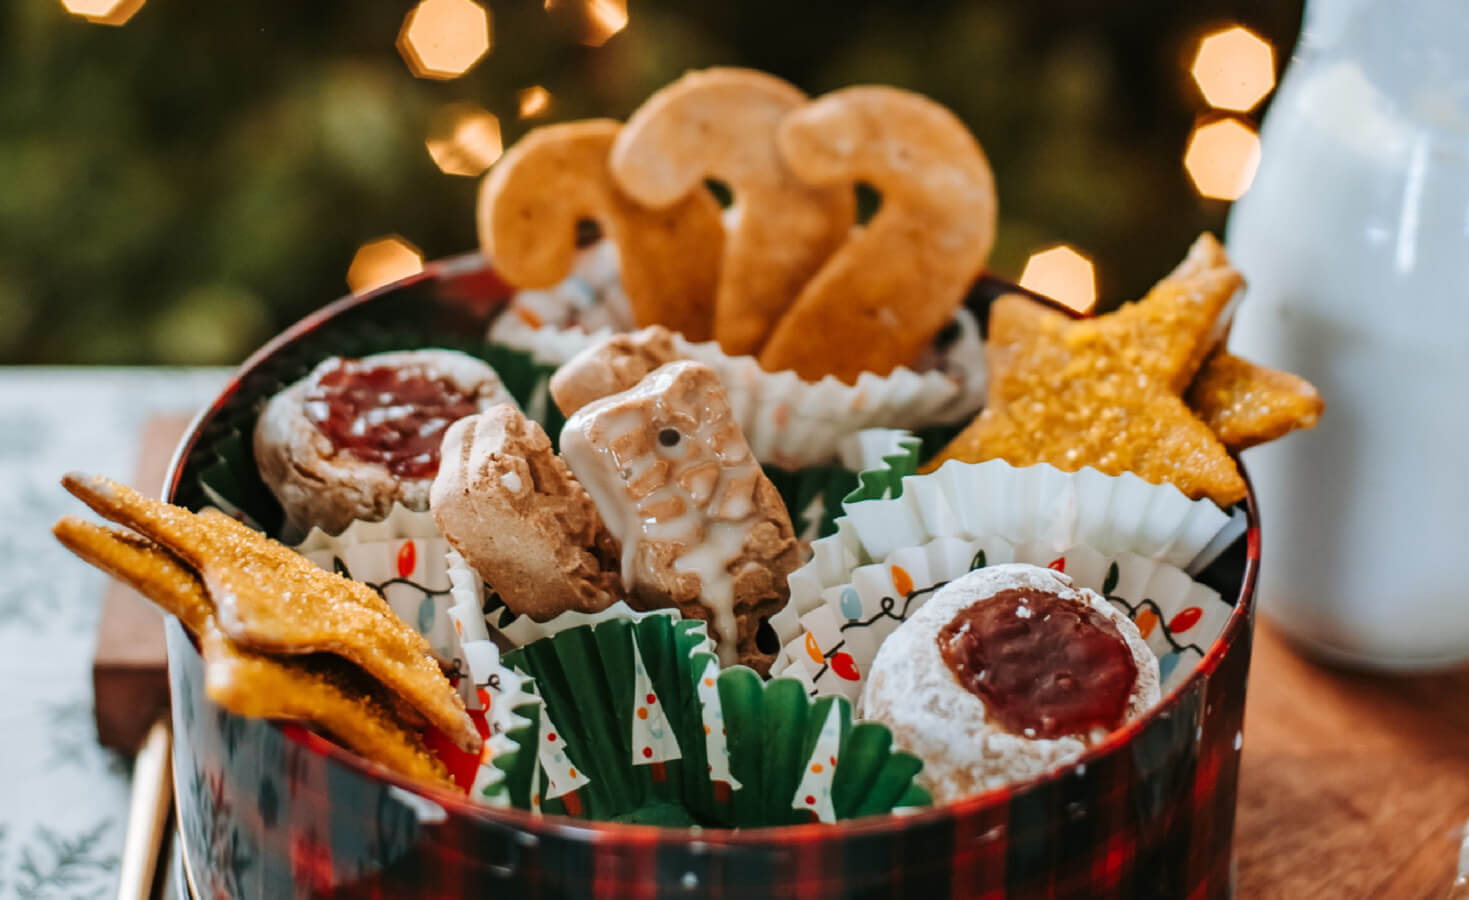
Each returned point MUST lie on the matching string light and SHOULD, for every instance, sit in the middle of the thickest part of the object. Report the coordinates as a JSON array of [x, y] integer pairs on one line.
[[1234, 69], [465, 140], [1221, 158], [443, 39], [535, 101], [383, 261], [1064, 274], [103, 12]]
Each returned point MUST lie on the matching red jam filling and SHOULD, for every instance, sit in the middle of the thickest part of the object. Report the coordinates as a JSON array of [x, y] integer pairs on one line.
[[1045, 667], [387, 415]]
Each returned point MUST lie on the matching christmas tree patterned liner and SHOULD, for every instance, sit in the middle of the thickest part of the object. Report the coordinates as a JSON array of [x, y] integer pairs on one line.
[[634, 721], [902, 538]]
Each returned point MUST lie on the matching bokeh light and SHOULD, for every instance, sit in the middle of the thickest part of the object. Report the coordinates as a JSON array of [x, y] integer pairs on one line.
[[1234, 69], [443, 39], [1221, 158], [104, 12], [596, 20], [464, 139], [535, 101], [1062, 273], [383, 261]]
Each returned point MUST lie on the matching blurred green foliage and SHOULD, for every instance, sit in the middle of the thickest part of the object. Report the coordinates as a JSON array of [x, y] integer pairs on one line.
[[177, 189]]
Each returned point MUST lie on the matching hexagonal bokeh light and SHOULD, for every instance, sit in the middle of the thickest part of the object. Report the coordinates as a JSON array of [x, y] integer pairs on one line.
[[103, 12], [443, 39], [597, 20], [535, 101], [1062, 273], [1234, 69], [465, 140], [1221, 158], [383, 261]]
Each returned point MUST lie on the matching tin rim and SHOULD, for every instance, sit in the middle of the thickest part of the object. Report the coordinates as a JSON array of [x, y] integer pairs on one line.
[[458, 805]]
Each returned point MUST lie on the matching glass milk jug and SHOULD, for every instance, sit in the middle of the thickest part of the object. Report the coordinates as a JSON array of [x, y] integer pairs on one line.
[[1354, 239]]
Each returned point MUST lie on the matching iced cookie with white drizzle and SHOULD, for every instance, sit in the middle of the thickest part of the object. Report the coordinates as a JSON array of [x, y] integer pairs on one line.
[[702, 529]]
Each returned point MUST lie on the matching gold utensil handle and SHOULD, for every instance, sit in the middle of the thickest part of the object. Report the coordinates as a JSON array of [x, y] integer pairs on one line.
[[1460, 890], [148, 812]]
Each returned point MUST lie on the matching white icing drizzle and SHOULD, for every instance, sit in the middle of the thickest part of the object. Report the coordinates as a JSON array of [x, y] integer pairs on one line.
[[715, 510]]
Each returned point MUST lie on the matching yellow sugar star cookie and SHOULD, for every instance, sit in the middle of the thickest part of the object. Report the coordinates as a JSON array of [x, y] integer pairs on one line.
[[1247, 404], [1107, 392]]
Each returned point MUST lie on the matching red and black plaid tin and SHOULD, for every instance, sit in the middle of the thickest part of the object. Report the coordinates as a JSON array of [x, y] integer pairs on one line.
[[267, 810]]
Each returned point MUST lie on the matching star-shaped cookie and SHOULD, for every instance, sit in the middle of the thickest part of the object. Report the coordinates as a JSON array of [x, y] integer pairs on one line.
[[1247, 404], [1108, 392]]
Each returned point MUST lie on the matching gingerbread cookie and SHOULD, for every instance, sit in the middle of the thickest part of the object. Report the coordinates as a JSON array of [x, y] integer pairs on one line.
[[557, 176], [611, 366], [516, 514], [270, 599], [331, 696], [702, 528], [879, 302], [1248, 404], [1106, 392], [356, 436], [720, 124]]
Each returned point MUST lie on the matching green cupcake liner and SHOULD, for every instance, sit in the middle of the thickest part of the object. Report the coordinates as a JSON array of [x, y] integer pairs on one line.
[[639, 724]]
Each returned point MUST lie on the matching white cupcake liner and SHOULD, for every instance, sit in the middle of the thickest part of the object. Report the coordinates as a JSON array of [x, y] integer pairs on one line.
[[788, 421], [402, 558], [1111, 514], [830, 646], [406, 560]]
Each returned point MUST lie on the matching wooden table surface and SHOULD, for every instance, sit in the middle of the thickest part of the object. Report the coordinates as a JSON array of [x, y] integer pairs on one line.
[[1352, 785]]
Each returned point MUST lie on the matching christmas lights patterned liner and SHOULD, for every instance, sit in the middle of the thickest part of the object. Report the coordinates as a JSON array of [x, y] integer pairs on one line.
[[267, 809]]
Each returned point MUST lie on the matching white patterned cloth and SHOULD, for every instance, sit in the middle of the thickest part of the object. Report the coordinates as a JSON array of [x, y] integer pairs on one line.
[[65, 798]]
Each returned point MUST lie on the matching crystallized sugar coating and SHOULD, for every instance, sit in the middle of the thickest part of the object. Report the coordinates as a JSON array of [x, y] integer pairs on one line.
[[912, 690]]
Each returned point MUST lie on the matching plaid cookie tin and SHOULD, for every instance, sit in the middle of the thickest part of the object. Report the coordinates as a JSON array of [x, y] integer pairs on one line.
[[271, 810]]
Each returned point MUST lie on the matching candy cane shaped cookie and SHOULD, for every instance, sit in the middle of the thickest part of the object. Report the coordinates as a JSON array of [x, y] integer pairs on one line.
[[556, 176], [881, 299], [720, 124]]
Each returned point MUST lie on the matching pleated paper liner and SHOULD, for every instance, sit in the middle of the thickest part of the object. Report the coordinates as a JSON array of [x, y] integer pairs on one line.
[[1109, 513], [791, 422], [637, 723], [832, 644], [814, 497], [788, 421], [403, 559], [407, 562], [851, 594]]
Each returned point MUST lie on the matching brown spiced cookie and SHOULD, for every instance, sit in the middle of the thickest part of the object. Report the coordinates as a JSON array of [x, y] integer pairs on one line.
[[881, 299], [720, 124], [702, 527], [358, 435], [611, 366], [554, 178], [516, 514]]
